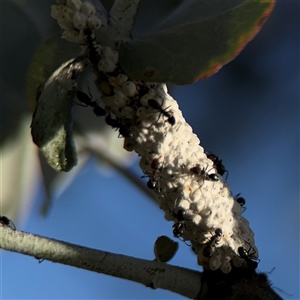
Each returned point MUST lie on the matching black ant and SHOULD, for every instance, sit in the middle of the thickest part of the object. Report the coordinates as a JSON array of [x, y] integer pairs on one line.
[[155, 105], [123, 129], [153, 181], [251, 261], [125, 132], [112, 122], [241, 201], [7, 222], [208, 250], [39, 259], [202, 172], [90, 39], [179, 226], [87, 100], [213, 177], [217, 163]]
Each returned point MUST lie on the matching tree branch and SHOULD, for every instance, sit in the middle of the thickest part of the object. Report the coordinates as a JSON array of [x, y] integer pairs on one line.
[[152, 274], [239, 284]]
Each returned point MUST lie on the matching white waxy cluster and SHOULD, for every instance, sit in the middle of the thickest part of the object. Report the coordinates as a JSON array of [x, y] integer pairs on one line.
[[79, 21], [74, 17], [186, 182], [108, 59], [180, 174]]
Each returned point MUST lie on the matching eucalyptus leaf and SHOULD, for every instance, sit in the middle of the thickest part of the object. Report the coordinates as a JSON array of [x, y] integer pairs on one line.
[[51, 126], [51, 54], [195, 41]]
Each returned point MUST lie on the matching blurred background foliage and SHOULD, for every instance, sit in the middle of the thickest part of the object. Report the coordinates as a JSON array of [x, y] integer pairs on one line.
[[247, 113]]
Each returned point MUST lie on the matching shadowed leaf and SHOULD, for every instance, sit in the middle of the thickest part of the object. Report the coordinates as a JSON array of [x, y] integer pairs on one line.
[[195, 42], [49, 56], [52, 121]]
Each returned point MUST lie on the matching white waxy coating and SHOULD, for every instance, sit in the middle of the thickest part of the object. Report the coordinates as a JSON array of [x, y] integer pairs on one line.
[[74, 16]]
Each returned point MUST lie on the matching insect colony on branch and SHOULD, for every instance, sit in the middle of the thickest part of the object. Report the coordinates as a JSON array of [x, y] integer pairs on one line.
[[156, 167], [178, 228], [152, 124]]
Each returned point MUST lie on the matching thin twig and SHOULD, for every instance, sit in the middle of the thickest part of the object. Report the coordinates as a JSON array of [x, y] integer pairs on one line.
[[152, 274]]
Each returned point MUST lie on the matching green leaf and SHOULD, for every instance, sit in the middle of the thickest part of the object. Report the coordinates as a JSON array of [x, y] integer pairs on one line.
[[195, 41], [49, 56], [52, 121]]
